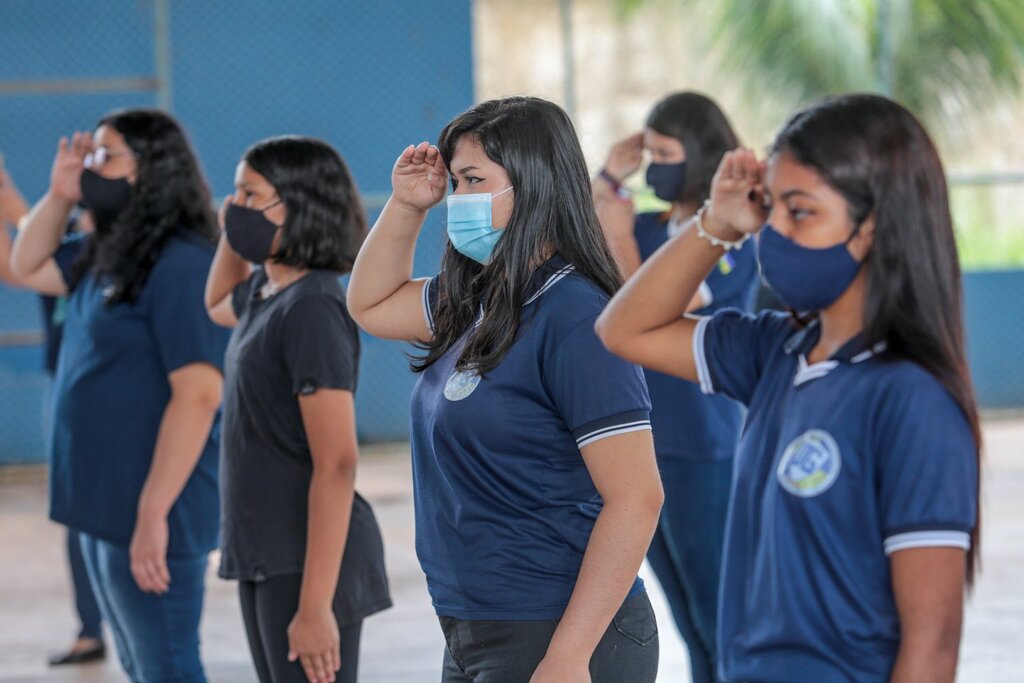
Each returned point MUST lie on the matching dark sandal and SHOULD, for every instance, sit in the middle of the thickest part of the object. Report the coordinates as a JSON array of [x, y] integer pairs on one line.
[[92, 654]]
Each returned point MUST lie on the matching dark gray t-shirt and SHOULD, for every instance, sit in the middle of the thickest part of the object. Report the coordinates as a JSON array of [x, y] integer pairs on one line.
[[296, 342]]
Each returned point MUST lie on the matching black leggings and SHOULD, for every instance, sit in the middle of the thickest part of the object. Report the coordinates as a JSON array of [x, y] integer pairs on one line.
[[267, 609]]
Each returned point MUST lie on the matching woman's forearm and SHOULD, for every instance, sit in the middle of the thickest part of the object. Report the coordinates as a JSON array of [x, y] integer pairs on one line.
[[183, 433], [385, 260], [41, 236], [618, 543], [227, 271], [626, 252], [331, 494], [663, 288], [933, 661]]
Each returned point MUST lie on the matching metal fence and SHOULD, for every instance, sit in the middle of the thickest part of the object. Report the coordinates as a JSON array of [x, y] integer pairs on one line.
[[368, 77]]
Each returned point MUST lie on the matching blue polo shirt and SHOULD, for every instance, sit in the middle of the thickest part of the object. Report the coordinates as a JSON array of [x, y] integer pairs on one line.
[[111, 390], [687, 424], [841, 463], [504, 502]]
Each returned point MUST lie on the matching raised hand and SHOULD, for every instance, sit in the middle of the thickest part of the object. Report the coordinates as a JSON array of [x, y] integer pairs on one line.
[[66, 174], [419, 179], [737, 195], [12, 204], [625, 157]]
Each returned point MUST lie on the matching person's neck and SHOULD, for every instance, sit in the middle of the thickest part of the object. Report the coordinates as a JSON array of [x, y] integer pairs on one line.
[[840, 322], [280, 275], [682, 212]]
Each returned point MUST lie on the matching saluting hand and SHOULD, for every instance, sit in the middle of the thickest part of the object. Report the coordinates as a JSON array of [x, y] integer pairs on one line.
[[66, 174], [625, 157], [737, 196], [420, 178]]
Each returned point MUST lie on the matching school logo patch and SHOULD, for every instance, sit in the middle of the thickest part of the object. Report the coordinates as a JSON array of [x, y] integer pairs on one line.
[[810, 464], [460, 385]]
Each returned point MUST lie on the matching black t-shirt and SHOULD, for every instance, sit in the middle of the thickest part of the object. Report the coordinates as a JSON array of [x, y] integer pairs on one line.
[[298, 341]]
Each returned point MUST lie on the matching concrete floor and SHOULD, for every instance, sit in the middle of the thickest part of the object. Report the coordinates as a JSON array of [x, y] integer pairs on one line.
[[403, 645]]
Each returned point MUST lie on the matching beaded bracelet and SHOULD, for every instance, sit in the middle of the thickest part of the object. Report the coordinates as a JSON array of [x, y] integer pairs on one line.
[[716, 241]]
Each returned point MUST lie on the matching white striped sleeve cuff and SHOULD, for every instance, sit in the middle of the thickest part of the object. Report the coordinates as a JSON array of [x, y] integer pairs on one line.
[[706, 296], [700, 359], [635, 421], [932, 538], [428, 315]]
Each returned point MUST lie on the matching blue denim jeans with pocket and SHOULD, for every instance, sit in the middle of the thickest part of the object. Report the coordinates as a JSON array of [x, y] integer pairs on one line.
[[686, 553], [510, 651], [157, 636]]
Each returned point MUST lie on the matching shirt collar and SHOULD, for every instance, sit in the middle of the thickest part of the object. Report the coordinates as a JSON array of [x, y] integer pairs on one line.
[[546, 276], [802, 341]]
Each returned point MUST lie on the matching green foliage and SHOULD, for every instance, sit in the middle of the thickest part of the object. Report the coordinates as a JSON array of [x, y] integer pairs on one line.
[[941, 58]]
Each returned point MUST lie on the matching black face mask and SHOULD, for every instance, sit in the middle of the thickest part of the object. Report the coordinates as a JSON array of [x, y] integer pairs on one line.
[[249, 232], [667, 180], [105, 198]]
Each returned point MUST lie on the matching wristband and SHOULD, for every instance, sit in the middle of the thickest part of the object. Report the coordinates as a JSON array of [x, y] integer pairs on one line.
[[716, 241]]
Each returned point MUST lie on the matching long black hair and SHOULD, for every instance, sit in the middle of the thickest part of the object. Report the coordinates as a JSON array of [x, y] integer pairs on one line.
[[325, 222], [876, 154], [703, 129], [535, 142], [170, 194]]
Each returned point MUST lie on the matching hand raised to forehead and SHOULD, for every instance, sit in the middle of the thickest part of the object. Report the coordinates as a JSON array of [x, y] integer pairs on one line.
[[419, 179], [66, 174], [737, 192]]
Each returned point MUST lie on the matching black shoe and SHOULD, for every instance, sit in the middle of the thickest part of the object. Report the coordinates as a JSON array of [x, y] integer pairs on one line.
[[90, 654]]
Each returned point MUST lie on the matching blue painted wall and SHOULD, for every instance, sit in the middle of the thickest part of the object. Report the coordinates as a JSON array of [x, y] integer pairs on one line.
[[368, 77]]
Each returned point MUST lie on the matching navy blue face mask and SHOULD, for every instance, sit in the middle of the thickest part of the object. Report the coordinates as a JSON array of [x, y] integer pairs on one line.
[[807, 280], [667, 180]]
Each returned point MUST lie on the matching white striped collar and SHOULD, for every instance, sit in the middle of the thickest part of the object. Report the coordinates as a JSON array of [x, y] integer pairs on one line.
[[802, 341], [552, 280]]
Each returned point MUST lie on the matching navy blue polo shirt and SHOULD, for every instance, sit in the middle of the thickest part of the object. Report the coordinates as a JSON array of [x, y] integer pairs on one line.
[[504, 502], [687, 424], [111, 391], [841, 463]]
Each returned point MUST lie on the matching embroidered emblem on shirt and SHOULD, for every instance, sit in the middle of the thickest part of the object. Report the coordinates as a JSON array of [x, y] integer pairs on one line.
[[460, 385], [810, 464]]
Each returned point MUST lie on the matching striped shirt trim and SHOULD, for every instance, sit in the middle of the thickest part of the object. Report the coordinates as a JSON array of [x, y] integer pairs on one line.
[[706, 296], [604, 433], [555, 277], [428, 315], [806, 373], [700, 359], [936, 538]]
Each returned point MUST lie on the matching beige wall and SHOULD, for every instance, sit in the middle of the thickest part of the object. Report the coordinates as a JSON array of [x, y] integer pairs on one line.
[[625, 64]]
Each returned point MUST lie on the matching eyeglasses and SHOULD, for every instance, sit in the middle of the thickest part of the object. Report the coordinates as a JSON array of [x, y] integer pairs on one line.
[[102, 155]]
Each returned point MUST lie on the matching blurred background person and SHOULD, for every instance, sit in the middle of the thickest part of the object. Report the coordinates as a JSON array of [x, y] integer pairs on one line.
[[138, 384], [89, 645], [686, 135]]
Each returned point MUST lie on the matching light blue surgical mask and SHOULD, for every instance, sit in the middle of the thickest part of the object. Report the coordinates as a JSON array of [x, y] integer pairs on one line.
[[469, 225]]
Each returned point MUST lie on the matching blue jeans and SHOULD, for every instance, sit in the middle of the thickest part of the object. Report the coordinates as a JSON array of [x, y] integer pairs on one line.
[[686, 552], [85, 600], [157, 636]]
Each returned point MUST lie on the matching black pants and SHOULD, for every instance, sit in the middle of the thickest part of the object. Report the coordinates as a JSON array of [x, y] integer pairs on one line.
[[267, 609], [509, 651]]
